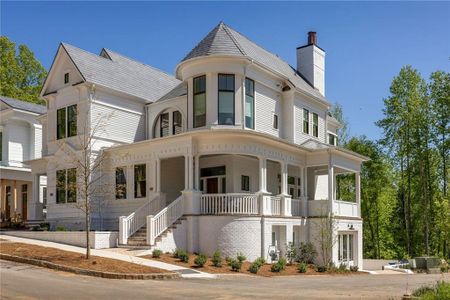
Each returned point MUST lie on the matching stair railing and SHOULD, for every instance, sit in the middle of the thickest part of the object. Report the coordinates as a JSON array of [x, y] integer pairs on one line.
[[157, 224]]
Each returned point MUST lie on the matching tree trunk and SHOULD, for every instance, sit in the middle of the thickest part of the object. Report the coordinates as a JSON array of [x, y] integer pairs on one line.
[[88, 230]]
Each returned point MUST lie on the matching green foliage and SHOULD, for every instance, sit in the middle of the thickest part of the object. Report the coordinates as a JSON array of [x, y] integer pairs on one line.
[[156, 253], [256, 265], [240, 257], [279, 266], [302, 267], [354, 268], [235, 264], [60, 228], [441, 290], [183, 256], [306, 253], [176, 253], [21, 75], [217, 259], [291, 252], [200, 260], [321, 269]]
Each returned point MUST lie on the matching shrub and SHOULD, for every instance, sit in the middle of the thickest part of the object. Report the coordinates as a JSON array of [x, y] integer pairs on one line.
[[291, 252], [60, 228], [279, 265], [306, 253], [235, 264], [260, 260], [354, 268], [322, 269], [176, 253], [217, 259], [439, 291], [302, 267], [241, 258], [256, 265], [183, 256], [156, 253], [200, 260]]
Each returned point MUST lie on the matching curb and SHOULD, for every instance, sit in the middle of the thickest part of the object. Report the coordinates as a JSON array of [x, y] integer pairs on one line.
[[79, 271]]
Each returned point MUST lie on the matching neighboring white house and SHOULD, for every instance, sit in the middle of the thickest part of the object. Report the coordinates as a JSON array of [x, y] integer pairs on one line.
[[20, 140], [236, 152]]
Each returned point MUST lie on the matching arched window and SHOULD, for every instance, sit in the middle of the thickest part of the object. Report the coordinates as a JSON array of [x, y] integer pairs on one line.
[[169, 122]]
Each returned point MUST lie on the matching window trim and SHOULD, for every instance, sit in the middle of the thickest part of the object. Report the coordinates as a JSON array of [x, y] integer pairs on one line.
[[315, 124], [66, 78], [161, 124], [67, 122], [275, 120], [135, 182], [173, 122], [218, 98], [245, 183], [66, 188], [124, 170], [253, 103], [194, 125]]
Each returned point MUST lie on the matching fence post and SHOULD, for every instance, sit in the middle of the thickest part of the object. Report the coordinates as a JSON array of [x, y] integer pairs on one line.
[[150, 235], [123, 238]]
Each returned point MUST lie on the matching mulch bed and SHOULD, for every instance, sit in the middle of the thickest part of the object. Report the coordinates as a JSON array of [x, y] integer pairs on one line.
[[225, 269], [76, 260]]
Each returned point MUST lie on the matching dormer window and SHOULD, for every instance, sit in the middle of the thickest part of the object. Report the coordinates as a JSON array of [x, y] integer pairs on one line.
[[199, 90], [226, 99], [66, 78]]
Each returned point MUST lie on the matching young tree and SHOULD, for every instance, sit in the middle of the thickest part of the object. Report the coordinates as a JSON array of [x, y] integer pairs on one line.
[[343, 133], [91, 183], [21, 75]]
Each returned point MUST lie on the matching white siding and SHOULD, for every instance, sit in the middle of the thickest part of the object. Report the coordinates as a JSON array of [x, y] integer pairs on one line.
[[266, 105], [300, 137], [19, 141], [119, 125]]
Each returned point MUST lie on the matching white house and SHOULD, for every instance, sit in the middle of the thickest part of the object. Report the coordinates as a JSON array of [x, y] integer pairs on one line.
[[20, 140], [236, 152]]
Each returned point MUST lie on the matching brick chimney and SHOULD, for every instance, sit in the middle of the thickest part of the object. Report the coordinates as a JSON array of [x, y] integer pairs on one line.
[[311, 63]]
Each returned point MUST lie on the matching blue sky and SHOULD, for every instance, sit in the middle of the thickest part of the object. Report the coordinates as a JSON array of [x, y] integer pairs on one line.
[[366, 42]]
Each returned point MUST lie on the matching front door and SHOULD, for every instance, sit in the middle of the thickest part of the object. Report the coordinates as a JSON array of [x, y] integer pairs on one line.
[[8, 203], [212, 185]]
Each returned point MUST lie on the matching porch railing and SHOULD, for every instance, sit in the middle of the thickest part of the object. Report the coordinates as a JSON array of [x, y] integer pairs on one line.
[[128, 225], [164, 219], [234, 204], [296, 207], [275, 205], [345, 208]]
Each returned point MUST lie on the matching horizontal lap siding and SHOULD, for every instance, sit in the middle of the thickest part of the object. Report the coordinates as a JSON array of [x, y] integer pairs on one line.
[[19, 142], [266, 105], [119, 125], [300, 137]]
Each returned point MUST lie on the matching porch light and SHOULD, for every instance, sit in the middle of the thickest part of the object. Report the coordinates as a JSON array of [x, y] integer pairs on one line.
[[350, 226]]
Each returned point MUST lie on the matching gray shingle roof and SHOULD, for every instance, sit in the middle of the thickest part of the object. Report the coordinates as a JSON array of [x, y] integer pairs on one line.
[[179, 90], [24, 105], [122, 74], [223, 40]]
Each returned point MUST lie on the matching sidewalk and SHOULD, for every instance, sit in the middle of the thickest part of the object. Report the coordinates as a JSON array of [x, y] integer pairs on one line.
[[111, 253]]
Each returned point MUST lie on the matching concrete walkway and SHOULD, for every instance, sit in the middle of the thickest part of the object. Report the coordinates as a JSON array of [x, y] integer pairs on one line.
[[114, 254]]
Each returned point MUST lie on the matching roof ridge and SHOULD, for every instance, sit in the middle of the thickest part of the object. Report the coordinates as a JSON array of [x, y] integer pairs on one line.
[[139, 62], [230, 34]]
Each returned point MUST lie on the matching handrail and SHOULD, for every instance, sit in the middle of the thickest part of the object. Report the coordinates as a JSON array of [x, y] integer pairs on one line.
[[275, 205], [133, 222], [164, 219], [232, 204]]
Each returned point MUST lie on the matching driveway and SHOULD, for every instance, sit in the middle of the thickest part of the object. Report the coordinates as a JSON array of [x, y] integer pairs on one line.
[[20, 281]]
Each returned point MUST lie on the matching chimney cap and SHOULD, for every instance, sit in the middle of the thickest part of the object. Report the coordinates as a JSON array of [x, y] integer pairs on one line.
[[312, 38]]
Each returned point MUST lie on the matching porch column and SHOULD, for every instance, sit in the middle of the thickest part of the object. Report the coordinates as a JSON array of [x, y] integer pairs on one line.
[[190, 160], [330, 186], [186, 172], [15, 197], [262, 174], [197, 172], [284, 178], [358, 193]]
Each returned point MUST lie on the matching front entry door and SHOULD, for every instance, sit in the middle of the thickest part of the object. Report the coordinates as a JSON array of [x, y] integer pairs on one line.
[[212, 185]]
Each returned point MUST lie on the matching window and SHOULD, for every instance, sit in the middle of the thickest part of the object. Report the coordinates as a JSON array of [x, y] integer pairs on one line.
[[226, 99], [199, 101], [345, 247], [177, 126], [213, 171], [71, 185], [66, 78], [121, 183], [44, 196], [274, 239], [275, 121], [332, 139], [164, 125], [140, 187], [305, 121], [24, 194], [315, 125], [249, 103], [245, 183], [72, 120], [61, 123], [66, 190], [66, 122]]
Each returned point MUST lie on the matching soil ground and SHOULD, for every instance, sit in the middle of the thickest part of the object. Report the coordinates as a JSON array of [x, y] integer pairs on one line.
[[225, 269], [73, 259]]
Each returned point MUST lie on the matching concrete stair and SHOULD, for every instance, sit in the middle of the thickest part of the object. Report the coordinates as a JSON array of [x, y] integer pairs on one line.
[[139, 238]]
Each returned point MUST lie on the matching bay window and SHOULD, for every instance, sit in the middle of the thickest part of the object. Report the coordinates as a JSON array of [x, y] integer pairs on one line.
[[249, 103], [199, 91], [226, 99], [140, 181]]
